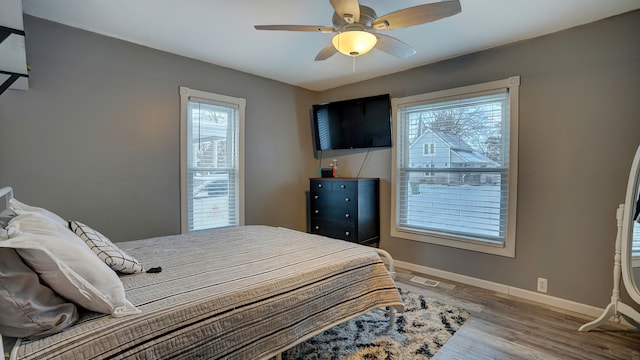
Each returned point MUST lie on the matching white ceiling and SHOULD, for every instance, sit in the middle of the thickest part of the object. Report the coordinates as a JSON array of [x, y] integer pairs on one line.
[[221, 32]]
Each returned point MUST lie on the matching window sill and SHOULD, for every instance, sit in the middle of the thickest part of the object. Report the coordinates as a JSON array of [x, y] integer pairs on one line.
[[486, 247]]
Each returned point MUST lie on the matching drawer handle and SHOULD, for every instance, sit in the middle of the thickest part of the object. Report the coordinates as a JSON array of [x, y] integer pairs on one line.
[[316, 197], [343, 186], [347, 233], [317, 227], [347, 199], [347, 215], [319, 185], [317, 211]]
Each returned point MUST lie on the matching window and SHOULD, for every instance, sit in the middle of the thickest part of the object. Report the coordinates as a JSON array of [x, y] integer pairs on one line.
[[211, 160], [468, 198], [429, 166], [429, 149]]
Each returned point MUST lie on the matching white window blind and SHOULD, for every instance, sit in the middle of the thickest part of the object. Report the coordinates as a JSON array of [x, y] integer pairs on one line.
[[467, 196], [323, 127], [635, 247], [212, 170]]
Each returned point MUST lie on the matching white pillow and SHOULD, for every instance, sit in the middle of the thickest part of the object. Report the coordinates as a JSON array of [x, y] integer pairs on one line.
[[112, 255], [28, 307], [22, 208], [67, 265]]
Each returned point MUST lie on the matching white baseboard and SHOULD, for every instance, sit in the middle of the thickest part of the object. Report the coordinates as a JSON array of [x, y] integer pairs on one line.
[[505, 289]]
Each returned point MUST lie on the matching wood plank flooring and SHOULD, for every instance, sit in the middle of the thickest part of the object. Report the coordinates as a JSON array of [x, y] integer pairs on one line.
[[508, 327]]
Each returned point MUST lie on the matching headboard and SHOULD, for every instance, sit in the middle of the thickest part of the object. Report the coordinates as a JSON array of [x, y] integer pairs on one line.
[[6, 193]]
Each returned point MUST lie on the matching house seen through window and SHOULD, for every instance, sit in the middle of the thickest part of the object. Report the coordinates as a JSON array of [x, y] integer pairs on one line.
[[211, 158], [467, 138]]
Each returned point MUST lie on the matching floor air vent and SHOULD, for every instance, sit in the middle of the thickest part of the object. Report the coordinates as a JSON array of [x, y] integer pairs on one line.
[[423, 281]]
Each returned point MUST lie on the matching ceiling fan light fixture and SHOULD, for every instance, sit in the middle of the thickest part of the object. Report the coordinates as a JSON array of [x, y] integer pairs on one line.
[[354, 42]]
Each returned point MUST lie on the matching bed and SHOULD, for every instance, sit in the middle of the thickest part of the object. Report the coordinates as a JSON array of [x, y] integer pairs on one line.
[[248, 292]]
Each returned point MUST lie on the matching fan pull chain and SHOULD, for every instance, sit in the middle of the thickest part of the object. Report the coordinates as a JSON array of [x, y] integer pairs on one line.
[[354, 63]]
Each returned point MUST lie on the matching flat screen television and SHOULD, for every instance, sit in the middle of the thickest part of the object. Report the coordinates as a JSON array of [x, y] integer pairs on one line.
[[352, 124]]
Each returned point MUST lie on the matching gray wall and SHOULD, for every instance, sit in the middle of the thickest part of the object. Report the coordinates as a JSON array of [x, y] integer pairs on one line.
[[96, 137], [579, 128]]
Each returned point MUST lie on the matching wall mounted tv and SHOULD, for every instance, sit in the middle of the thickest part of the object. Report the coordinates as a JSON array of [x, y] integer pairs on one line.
[[352, 124]]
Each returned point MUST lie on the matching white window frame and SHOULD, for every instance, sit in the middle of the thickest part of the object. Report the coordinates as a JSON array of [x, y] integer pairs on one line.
[[507, 248], [239, 103]]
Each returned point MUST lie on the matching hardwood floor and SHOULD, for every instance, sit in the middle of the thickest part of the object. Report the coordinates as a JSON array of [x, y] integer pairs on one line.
[[507, 327]]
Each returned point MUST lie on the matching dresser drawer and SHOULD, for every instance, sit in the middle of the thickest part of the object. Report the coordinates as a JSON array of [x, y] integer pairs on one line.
[[320, 185], [342, 185], [334, 229], [338, 213], [334, 185], [333, 199]]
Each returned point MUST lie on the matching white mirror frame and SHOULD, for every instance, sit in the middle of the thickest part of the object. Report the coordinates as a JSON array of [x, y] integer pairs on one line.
[[622, 258], [627, 229]]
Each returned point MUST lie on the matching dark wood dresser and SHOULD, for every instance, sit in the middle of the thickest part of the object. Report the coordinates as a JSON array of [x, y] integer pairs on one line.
[[345, 208]]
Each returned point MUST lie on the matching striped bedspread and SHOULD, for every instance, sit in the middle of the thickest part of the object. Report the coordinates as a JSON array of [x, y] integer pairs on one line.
[[235, 293]]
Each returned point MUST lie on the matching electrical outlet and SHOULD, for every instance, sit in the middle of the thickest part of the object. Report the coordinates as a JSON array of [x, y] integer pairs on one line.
[[542, 285]]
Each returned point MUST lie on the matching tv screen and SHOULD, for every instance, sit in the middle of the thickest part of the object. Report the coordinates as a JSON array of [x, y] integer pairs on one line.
[[353, 124]]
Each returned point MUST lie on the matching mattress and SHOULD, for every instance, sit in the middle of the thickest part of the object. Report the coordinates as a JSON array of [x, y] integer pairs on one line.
[[235, 293]]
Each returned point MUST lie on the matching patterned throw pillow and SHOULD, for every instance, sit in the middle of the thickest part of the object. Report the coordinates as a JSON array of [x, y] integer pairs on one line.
[[113, 256]]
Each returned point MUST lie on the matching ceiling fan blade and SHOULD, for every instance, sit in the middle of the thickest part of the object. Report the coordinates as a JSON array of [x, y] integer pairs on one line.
[[326, 53], [349, 10], [417, 15], [309, 28], [393, 46]]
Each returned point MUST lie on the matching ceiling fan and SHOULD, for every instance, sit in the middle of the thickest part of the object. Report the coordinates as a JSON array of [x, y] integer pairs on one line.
[[357, 27]]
